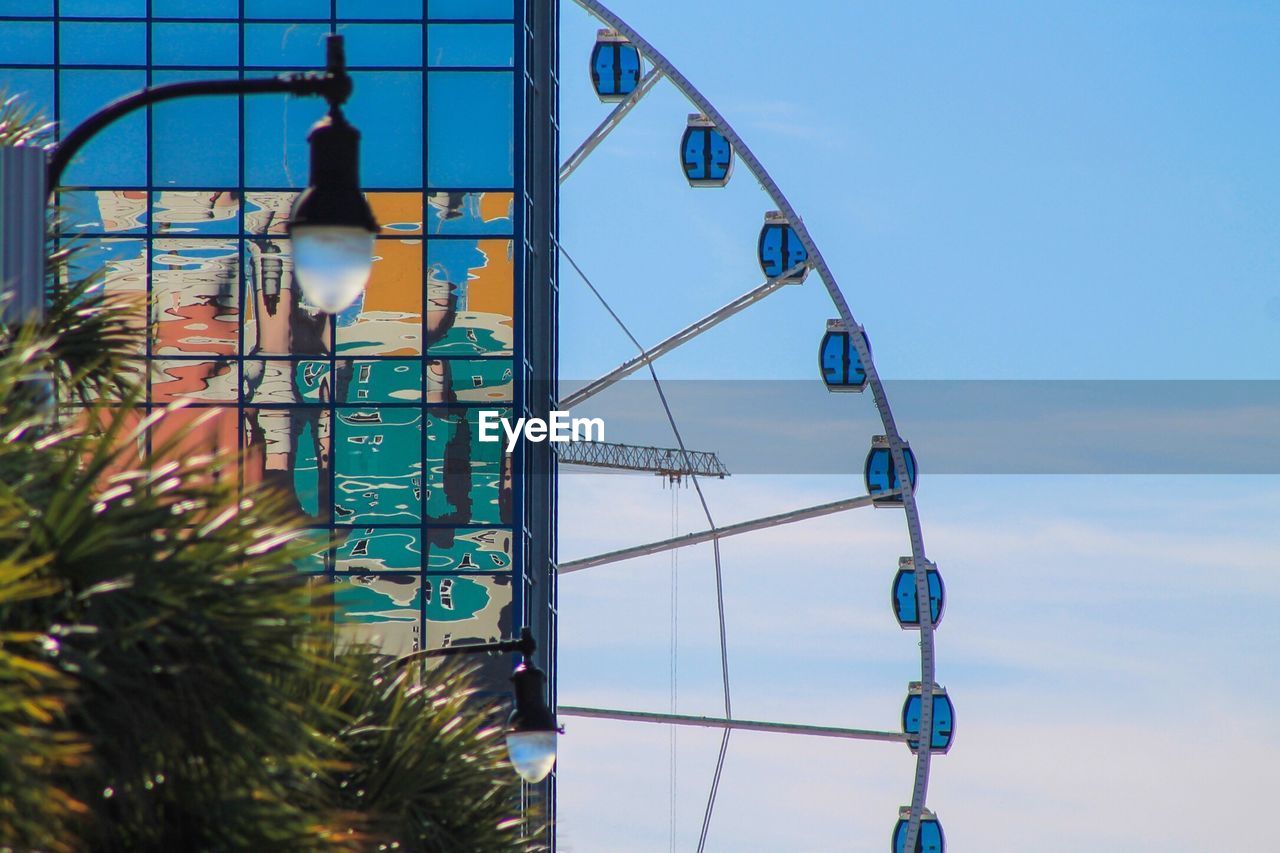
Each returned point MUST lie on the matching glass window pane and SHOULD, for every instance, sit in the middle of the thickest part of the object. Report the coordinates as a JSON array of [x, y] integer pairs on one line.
[[387, 318], [195, 44], [462, 9], [452, 550], [378, 468], [276, 154], [34, 88], [99, 43], [470, 214], [285, 45], [211, 381], [383, 44], [464, 45], [470, 297], [26, 42], [116, 156], [103, 8], [124, 263], [183, 212], [468, 480], [374, 549], [470, 380], [105, 211], [32, 8], [195, 142], [382, 611], [286, 9], [470, 609], [390, 151], [384, 380], [195, 8], [403, 9], [470, 135], [278, 320], [287, 450], [195, 296], [398, 213]]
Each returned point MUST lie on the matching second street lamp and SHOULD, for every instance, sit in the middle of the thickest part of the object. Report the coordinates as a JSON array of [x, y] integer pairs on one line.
[[531, 729], [333, 227]]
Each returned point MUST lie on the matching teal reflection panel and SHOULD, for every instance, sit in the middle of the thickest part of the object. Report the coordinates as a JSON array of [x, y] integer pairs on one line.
[[470, 380], [464, 9], [465, 45], [382, 44], [315, 557], [382, 611], [214, 121], [380, 381], [470, 129], [388, 112], [468, 480], [378, 471], [117, 155], [195, 44], [100, 43], [379, 549], [26, 42], [450, 549]]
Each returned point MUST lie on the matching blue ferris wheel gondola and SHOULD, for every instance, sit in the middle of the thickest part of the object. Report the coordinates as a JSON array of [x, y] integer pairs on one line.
[[929, 840], [838, 359], [780, 249], [705, 153], [881, 476], [905, 606], [615, 66], [944, 714]]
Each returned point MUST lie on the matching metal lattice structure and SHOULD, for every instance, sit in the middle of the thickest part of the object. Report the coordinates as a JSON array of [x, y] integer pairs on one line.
[[668, 462], [896, 461]]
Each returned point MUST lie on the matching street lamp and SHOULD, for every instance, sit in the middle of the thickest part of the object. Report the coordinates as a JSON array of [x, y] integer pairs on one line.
[[531, 729], [332, 226]]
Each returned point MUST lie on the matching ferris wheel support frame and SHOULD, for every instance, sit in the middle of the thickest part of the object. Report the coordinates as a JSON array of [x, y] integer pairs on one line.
[[819, 264], [724, 723]]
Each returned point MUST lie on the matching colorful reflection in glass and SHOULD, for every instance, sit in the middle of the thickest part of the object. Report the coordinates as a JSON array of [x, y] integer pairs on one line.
[[471, 295]]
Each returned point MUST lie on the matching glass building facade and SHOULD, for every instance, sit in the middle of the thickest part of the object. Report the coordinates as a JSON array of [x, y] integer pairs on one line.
[[368, 419]]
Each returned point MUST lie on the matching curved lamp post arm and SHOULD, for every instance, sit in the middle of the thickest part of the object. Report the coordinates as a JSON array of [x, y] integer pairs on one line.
[[334, 84], [525, 646]]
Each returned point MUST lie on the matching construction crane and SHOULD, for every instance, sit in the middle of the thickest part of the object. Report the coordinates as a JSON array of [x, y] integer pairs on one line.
[[668, 462]]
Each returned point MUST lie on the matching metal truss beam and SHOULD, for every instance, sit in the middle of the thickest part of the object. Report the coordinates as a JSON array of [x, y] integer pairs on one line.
[[715, 318], [611, 121], [721, 723], [721, 532], [665, 461]]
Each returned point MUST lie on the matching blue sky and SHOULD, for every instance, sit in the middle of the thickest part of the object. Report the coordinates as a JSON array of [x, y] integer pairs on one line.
[[1004, 190]]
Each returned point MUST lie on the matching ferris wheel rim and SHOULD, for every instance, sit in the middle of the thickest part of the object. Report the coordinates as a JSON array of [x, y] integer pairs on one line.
[[895, 441]]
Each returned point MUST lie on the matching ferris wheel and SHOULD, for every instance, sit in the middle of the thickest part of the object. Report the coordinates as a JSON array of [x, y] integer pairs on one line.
[[624, 67]]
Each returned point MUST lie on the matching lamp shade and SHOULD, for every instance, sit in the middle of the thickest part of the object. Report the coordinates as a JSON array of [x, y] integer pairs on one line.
[[332, 227], [531, 738]]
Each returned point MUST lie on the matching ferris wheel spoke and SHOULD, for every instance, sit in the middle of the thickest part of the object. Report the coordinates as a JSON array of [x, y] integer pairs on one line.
[[722, 532], [606, 127], [688, 333], [725, 723]]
